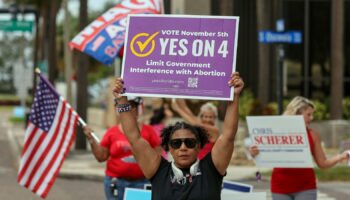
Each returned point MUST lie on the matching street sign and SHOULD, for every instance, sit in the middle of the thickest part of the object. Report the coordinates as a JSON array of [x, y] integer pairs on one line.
[[14, 25], [292, 37]]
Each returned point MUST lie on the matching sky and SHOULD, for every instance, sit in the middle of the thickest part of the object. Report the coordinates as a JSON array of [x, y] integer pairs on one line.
[[93, 5]]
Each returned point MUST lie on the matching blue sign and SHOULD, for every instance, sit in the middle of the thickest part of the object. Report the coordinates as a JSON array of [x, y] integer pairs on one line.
[[236, 186], [292, 37], [137, 194]]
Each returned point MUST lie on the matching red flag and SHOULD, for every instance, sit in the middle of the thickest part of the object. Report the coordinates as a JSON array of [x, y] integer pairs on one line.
[[49, 135], [104, 37]]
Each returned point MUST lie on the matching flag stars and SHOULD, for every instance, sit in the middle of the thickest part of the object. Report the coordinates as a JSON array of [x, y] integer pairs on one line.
[[44, 108]]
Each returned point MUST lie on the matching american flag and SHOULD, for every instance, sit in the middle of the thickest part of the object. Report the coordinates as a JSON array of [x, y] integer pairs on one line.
[[49, 135]]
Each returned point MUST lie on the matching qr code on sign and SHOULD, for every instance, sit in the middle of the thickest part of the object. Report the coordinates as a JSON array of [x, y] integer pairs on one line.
[[192, 82]]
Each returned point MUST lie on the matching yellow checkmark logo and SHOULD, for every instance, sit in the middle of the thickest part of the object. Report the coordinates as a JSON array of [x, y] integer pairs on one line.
[[142, 46]]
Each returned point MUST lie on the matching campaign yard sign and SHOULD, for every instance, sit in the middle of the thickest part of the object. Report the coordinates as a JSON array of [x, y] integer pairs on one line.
[[180, 56], [236, 186], [137, 194], [282, 141]]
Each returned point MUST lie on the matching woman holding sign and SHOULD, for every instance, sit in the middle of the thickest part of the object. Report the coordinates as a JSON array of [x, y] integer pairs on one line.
[[300, 183], [186, 177]]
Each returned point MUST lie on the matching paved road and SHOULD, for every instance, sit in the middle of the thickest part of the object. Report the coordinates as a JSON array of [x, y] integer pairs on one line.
[[62, 189], [338, 190], [327, 190]]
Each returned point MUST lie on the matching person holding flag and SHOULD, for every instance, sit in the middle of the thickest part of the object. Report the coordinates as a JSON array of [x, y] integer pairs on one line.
[[122, 169]]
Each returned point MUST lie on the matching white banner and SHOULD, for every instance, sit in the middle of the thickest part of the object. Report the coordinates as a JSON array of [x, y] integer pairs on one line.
[[282, 141]]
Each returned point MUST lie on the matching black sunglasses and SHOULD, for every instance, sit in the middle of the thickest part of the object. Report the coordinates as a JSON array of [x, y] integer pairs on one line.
[[189, 142]]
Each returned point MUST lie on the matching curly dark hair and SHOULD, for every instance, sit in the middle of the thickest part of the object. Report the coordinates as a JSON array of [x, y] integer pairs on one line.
[[200, 133], [158, 116]]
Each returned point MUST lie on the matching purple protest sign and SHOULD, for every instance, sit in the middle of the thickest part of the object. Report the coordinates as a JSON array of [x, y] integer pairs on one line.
[[180, 56]]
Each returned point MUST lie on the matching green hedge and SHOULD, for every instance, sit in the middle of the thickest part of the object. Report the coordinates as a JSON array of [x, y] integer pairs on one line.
[[338, 173]]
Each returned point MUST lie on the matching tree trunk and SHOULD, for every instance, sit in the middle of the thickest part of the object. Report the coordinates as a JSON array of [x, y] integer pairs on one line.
[[52, 51], [264, 11], [226, 7], [82, 83], [36, 49], [43, 34], [337, 58], [67, 53]]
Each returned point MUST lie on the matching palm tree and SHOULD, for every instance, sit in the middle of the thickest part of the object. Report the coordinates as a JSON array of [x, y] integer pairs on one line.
[[82, 71], [53, 7], [45, 42], [67, 52]]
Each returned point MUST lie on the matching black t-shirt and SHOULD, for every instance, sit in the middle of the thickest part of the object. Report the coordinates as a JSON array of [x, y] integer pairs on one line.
[[205, 185]]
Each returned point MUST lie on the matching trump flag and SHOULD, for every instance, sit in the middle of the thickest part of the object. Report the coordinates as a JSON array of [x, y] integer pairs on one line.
[[104, 37], [48, 138]]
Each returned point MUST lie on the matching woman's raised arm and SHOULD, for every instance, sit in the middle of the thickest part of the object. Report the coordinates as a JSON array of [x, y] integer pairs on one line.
[[223, 148], [147, 157], [180, 106]]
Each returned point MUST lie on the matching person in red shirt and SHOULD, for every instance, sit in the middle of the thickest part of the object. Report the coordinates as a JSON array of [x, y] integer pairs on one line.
[[206, 119], [122, 169], [300, 183]]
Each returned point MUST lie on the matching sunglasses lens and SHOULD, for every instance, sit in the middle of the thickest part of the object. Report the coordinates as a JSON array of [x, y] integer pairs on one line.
[[189, 142], [175, 143]]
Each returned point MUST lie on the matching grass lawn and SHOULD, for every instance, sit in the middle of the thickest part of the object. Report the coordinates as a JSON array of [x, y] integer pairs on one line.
[[338, 173]]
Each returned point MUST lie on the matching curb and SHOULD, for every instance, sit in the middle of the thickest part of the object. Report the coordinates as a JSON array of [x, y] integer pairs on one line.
[[14, 145], [72, 176]]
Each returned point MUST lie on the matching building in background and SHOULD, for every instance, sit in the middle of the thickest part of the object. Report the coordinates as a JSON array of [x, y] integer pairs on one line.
[[307, 67]]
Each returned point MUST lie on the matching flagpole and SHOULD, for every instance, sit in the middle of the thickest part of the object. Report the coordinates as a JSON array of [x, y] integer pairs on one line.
[[83, 124], [81, 121]]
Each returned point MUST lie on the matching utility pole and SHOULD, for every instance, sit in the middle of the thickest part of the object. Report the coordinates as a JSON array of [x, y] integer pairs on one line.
[[279, 57], [337, 59], [306, 47]]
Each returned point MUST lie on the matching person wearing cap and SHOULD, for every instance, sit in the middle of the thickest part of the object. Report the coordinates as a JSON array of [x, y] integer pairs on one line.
[[186, 177], [122, 169]]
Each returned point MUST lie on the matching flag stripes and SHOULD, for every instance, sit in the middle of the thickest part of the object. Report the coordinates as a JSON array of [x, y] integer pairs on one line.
[[43, 152]]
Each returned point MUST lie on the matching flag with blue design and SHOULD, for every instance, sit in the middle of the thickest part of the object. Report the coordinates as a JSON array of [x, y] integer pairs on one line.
[[48, 138], [104, 37]]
